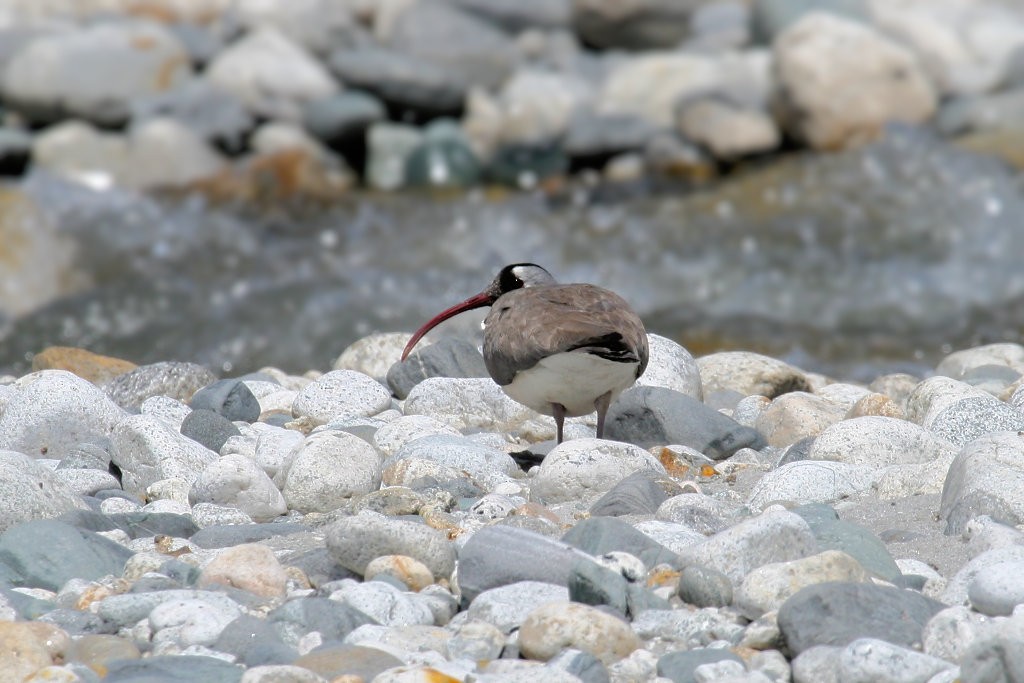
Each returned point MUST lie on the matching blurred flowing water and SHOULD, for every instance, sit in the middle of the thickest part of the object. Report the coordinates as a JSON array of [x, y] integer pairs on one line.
[[856, 263]]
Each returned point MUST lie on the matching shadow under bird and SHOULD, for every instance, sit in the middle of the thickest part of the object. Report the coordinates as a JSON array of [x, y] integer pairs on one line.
[[561, 350]]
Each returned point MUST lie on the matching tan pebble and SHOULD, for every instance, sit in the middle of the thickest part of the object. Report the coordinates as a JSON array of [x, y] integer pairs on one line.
[[250, 566], [555, 626], [53, 674], [23, 650], [796, 415], [299, 577], [86, 364], [876, 404], [408, 570], [96, 651], [532, 509]]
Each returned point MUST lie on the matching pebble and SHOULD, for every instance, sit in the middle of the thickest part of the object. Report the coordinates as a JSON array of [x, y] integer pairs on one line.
[[251, 567], [147, 451], [750, 374], [871, 659], [374, 354], [796, 415], [554, 626], [584, 468], [169, 378], [765, 589], [30, 491], [239, 483], [341, 394], [384, 603], [486, 467], [651, 416], [812, 481], [769, 537], [330, 468], [449, 357], [982, 481], [94, 367], [355, 541], [230, 398], [67, 553]]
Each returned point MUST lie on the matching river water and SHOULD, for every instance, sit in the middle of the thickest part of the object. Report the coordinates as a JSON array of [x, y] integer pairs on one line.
[[854, 263]]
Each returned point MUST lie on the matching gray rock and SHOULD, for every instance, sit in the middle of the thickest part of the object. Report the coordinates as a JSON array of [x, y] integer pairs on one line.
[[94, 72], [996, 589], [500, 555], [208, 428], [443, 159], [680, 666], [212, 113], [601, 535], [581, 664], [385, 603], [471, 51], [750, 374], [341, 120], [879, 441], [819, 664], [47, 553], [169, 378], [317, 26], [839, 613], [640, 493], [51, 412], [766, 588], [254, 642], [702, 586], [519, 15], [638, 26], [449, 357], [228, 397], [507, 606], [675, 537], [29, 491], [959, 363], [592, 584], [354, 541], [811, 481], [956, 591], [298, 617], [173, 669], [400, 80], [651, 416], [853, 539], [769, 537], [272, 75], [985, 478], [85, 482], [593, 136], [146, 451]]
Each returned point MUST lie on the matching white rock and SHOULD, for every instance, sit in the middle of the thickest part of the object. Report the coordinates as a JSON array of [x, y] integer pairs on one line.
[[986, 475], [317, 25], [584, 468], [673, 536], [934, 395], [170, 411], [958, 363], [272, 75], [841, 81], [467, 403], [96, 71], [191, 622], [671, 366], [375, 354], [950, 632], [147, 451], [390, 438], [87, 482], [765, 588], [341, 394], [728, 131], [48, 413], [487, 467], [274, 446], [330, 468], [811, 481], [385, 603], [30, 491], [879, 442], [235, 480], [867, 660], [770, 537]]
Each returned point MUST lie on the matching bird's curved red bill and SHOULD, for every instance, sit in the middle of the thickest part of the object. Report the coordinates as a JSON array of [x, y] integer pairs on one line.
[[479, 301]]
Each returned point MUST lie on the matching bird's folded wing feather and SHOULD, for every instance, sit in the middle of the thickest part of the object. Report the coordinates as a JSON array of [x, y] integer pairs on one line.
[[534, 323]]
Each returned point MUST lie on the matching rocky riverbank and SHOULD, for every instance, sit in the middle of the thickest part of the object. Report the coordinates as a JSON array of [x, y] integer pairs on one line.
[[256, 101], [747, 521]]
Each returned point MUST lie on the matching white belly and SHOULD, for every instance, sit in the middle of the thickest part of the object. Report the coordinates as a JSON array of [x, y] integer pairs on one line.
[[574, 379]]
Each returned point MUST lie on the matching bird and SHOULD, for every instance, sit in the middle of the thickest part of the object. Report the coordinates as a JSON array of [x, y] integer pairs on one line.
[[562, 350]]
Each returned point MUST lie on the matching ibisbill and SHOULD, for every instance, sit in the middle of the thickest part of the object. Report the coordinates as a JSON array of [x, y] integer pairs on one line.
[[561, 349]]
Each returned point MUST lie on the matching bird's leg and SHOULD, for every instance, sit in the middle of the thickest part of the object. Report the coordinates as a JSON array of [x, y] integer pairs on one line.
[[601, 404], [558, 411]]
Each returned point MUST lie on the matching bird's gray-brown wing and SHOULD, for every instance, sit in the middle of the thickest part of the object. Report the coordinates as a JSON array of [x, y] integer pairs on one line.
[[526, 325]]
